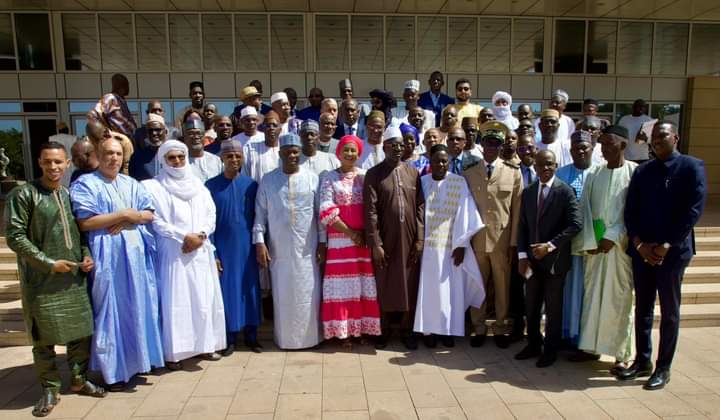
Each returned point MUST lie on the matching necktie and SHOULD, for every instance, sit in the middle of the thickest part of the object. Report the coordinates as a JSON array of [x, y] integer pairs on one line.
[[489, 170], [541, 203], [457, 166], [352, 130]]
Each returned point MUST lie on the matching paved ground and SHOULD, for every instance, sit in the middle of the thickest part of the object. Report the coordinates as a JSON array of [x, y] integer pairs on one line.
[[328, 383]]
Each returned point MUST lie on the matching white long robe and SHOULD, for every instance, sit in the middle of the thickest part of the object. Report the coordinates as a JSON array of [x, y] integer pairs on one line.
[[447, 290], [260, 160], [372, 155], [320, 162], [606, 322], [286, 209], [561, 148], [191, 305]]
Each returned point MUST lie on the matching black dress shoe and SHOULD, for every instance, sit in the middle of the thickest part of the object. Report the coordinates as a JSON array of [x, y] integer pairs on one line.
[[516, 335], [502, 341], [410, 342], [254, 346], [381, 341], [638, 368], [117, 386], [228, 351], [546, 360], [477, 340], [658, 380], [430, 341], [528, 353], [447, 341]]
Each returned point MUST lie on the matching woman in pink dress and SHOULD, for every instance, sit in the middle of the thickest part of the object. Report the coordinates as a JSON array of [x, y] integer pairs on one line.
[[349, 306]]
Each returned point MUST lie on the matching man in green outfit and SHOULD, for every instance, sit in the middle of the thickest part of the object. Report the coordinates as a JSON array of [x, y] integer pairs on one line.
[[52, 264]]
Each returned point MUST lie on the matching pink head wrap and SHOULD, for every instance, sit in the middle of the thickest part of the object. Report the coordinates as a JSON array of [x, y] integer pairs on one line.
[[349, 139]]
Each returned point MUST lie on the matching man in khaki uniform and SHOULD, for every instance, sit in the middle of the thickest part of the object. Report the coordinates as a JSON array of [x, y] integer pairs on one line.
[[496, 186]]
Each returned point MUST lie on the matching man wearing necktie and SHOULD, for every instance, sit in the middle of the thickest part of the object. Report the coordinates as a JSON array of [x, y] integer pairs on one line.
[[460, 159], [496, 186]]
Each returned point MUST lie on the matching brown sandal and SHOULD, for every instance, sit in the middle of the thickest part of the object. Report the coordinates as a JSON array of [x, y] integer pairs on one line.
[[47, 402]]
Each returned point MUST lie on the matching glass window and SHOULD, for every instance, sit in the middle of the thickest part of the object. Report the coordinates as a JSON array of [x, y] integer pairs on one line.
[[331, 38], [670, 51], [179, 108], [601, 47], [116, 42], [287, 42], [528, 41], [367, 43], [184, 42], [217, 42], [431, 39], [10, 107], [151, 38], [634, 48], [668, 111], [569, 46], [622, 110], [462, 55], [494, 46], [11, 138], [704, 51], [165, 106], [80, 107], [80, 40], [224, 107], [7, 45], [251, 42], [32, 31], [400, 41]]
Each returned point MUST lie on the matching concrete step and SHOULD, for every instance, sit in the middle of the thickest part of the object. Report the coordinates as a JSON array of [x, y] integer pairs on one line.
[[707, 231], [706, 258], [7, 256], [707, 274], [11, 311], [707, 243], [695, 316], [8, 272], [9, 290], [12, 333], [699, 293]]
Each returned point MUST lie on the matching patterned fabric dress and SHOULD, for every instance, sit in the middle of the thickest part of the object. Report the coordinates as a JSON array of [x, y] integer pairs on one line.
[[349, 306]]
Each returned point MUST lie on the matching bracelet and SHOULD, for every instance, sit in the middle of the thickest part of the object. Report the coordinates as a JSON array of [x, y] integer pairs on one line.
[[637, 248]]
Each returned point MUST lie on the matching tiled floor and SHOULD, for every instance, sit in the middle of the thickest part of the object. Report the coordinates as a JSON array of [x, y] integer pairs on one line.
[[328, 383]]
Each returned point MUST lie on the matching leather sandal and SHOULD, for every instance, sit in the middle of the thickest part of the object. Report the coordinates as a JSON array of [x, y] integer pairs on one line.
[[46, 403], [91, 390]]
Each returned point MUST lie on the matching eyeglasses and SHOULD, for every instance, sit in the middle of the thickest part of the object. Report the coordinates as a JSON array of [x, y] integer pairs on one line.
[[172, 158]]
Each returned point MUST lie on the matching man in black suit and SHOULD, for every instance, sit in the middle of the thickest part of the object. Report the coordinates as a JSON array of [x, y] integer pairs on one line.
[[549, 219], [665, 199]]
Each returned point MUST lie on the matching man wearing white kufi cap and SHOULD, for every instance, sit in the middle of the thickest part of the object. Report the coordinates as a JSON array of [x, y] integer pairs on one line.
[[501, 108], [558, 102], [192, 311], [281, 104], [249, 122], [285, 236], [411, 95]]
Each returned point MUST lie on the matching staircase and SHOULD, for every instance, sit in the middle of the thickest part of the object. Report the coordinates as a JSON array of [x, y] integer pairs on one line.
[[700, 291]]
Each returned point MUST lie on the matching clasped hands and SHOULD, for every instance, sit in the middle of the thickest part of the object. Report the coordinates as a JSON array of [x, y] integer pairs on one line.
[[652, 253], [130, 217]]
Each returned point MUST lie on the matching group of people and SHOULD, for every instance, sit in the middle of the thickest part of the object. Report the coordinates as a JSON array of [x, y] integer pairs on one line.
[[351, 222]]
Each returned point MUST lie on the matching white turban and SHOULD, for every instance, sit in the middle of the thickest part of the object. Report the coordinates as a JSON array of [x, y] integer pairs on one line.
[[155, 118], [180, 182], [502, 95], [278, 96], [562, 94]]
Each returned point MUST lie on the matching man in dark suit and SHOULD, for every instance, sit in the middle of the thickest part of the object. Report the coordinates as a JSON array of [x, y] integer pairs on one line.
[[665, 199], [434, 99], [549, 219], [459, 160], [350, 121]]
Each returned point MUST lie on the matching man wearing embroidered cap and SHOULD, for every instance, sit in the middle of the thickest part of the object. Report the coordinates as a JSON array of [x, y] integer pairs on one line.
[[203, 164], [501, 109], [394, 223], [566, 125], [187, 274], [605, 326], [496, 186], [286, 211], [234, 197], [281, 105], [411, 95], [318, 162], [249, 120], [550, 125], [249, 96], [144, 163]]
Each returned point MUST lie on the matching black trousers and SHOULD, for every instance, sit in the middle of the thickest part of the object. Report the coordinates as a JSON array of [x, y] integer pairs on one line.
[[547, 288], [666, 281]]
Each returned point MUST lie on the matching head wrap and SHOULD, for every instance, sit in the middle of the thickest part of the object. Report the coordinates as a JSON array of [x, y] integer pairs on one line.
[[155, 118], [180, 182], [248, 92], [193, 123], [618, 130], [392, 132], [376, 114], [561, 94], [289, 140], [550, 113], [349, 139], [230, 145], [407, 128], [502, 95], [345, 84], [580, 136], [412, 85], [279, 96], [438, 148], [248, 111], [309, 125]]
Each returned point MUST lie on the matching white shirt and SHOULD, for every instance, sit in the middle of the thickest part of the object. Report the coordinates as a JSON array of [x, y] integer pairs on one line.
[[635, 150], [245, 139], [544, 191]]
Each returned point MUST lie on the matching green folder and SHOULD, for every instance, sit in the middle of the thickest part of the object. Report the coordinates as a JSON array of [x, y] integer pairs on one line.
[[599, 228]]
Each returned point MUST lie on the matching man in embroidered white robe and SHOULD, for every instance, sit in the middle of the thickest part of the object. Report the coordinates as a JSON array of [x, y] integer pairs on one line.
[[450, 279]]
